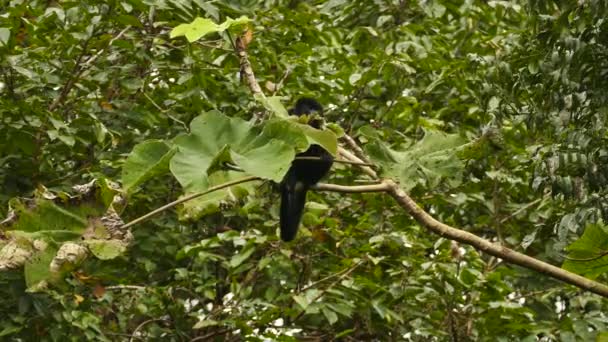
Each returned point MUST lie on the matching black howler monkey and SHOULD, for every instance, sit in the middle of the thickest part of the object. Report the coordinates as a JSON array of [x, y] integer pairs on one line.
[[302, 174]]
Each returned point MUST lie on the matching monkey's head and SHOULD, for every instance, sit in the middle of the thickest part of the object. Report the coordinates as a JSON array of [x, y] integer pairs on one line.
[[306, 105]]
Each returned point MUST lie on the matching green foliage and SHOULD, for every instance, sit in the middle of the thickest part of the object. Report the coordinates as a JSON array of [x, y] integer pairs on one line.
[[587, 256], [147, 160], [215, 145], [429, 161], [201, 27], [52, 234], [493, 114]]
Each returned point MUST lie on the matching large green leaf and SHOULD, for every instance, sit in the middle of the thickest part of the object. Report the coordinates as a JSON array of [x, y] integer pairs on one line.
[[217, 141], [427, 162], [55, 231], [273, 104], [588, 255], [201, 27], [147, 160]]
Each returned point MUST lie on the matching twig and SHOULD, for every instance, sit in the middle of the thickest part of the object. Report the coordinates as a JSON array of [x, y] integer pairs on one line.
[[279, 85], [164, 111], [353, 145], [518, 211], [187, 198], [142, 325], [342, 276], [125, 287], [490, 248], [246, 70], [530, 294], [350, 156], [79, 68], [100, 52], [74, 74], [206, 337], [430, 223], [599, 256], [339, 161], [379, 187], [348, 270]]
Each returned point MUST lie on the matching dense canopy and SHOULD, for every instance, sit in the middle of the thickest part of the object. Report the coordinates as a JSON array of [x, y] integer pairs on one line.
[[468, 199]]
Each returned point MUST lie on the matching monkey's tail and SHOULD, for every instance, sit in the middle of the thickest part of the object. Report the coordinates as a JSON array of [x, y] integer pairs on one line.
[[293, 199]]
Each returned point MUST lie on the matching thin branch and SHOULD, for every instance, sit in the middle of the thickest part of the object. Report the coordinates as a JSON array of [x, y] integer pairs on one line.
[[100, 52], [379, 187], [279, 85], [142, 325], [187, 198], [74, 74], [208, 336], [321, 293], [531, 294], [490, 248], [355, 147], [599, 256], [518, 211], [247, 71], [125, 287], [350, 156], [339, 161], [80, 67], [166, 112], [347, 271], [425, 219]]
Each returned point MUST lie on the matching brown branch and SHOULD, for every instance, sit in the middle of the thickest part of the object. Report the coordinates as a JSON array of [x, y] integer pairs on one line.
[[352, 157], [380, 187], [125, 287], [142, 325], [247, 71], [520, 210], [478, 243], [339, 161], [490, 248], [187, 198], [166, 112], [208, 336], [100, 52], [74, 74], [79, 68], [355, 147]]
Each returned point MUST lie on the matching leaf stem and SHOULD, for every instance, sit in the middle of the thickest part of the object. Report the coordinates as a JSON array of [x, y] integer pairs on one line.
[[339, 161], [189, 197]]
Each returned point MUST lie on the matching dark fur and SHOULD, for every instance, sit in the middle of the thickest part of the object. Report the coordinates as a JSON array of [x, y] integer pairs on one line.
[[301, 176]]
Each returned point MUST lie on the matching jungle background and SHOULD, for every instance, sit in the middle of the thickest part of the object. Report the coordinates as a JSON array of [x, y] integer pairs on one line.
[[97, 93]]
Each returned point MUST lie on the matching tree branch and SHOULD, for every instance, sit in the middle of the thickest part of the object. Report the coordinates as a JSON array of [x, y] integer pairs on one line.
[[490, 248], [187, 198], [426, 220], [380, 187], [80, 67], [247, 72], [353, 145], [352, 157], [133, 335], [339, 161], [125, 287]]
